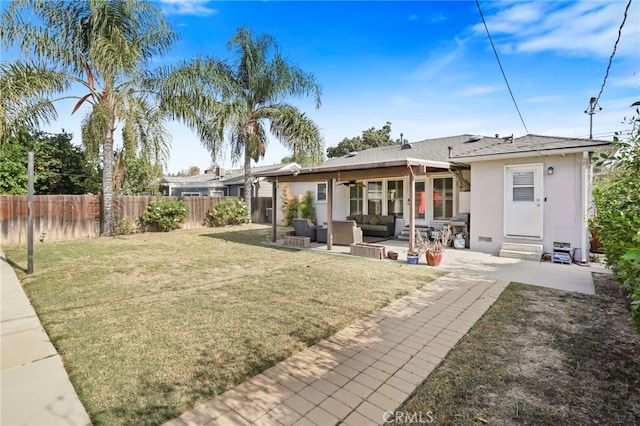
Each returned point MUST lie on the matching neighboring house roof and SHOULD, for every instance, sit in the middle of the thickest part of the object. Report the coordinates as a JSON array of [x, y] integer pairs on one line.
[[236, 176], [212, 180], [529, 145]]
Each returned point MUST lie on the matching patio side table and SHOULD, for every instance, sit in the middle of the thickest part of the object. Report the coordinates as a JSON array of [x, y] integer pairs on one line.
[[321, 235]]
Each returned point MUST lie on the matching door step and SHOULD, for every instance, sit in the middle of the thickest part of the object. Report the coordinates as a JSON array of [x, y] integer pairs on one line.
[[404, 234], [522, 251]]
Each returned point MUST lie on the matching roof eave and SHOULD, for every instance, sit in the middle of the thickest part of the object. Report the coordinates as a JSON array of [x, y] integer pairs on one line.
[[530, 153]]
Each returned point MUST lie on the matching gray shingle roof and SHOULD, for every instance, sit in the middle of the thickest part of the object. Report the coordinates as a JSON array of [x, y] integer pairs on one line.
[[430, 149], [231, 177], [529, 144], [465, 146]]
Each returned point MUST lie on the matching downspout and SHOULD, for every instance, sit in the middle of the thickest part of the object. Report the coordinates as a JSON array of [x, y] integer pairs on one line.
[[330, 214], [412, 211], [585, 207], [274, 209]]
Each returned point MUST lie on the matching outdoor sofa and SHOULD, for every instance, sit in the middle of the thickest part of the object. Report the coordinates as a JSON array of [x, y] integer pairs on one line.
[[375, 225], [304, 228], [346, 232]]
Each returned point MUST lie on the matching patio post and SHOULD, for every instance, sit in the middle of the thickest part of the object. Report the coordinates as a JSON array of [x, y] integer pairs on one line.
[[329, 213], [412, 208]]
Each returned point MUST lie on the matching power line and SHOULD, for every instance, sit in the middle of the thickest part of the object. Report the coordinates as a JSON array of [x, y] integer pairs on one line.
[[501, 68], [615, 47]]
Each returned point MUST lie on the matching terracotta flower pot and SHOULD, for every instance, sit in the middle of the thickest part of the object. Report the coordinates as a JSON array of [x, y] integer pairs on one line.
[[434, 259]]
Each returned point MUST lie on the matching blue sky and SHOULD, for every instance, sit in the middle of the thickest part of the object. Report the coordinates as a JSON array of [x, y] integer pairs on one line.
[[427, 66]]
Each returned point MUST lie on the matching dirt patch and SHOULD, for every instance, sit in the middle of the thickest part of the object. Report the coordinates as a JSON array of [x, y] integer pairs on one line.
[[541, 356]]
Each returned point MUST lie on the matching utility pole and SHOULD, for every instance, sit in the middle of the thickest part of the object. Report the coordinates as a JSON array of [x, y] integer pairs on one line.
[[591, 110]]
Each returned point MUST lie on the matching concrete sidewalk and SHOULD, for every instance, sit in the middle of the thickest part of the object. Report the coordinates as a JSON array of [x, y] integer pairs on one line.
[[363, 373], [35, 388]]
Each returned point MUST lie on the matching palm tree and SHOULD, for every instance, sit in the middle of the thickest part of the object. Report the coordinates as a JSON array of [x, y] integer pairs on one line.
[[213, 97], [102, 45], [21, 103]]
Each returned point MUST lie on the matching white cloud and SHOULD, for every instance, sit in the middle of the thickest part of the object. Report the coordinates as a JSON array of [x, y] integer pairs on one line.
[[187, 7], [436, 18], [413, 17], [439, 60], [476, 90], [576, 28]]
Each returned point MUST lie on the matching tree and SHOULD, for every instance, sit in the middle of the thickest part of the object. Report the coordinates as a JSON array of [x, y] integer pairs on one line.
[[135, 175], [371, 138], [102, 45], [617, 206], [241, 97], [22, 106], [59, 166]]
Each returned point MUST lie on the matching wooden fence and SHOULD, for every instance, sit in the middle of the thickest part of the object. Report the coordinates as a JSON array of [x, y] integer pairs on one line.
[[71, 217]]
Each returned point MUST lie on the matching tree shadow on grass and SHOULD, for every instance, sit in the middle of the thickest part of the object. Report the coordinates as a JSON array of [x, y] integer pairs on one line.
[[253, 237]]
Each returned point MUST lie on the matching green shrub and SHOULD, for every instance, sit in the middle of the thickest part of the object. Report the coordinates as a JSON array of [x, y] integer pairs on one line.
[[307, 211], [617, 201], [300, 206], [166, 214], [229, 212], [125, 226]]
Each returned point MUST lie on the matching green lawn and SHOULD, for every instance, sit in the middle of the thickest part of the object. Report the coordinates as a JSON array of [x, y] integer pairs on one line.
[[150, 325]]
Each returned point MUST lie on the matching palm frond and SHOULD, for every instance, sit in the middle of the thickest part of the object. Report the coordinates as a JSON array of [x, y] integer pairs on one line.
[[296, 131], [25, 91]]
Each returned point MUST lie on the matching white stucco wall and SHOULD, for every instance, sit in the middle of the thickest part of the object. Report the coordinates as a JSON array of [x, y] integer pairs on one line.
[[562, 217]]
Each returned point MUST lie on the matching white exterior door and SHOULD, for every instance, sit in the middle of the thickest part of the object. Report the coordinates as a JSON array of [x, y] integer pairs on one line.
[[523, 204]]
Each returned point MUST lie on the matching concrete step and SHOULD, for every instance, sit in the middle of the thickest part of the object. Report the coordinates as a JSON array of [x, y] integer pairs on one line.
[[404, 234], [522, 251], [526, 248], [514, 254]]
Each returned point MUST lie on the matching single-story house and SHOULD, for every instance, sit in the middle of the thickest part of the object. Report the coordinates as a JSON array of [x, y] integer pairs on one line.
[[218, 182], [531, 190]]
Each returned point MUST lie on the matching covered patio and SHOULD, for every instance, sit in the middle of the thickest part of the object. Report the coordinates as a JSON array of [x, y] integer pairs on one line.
[[406, 168]]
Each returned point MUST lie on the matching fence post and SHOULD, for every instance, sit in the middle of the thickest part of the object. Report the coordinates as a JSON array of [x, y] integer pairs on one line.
[[30, 206]]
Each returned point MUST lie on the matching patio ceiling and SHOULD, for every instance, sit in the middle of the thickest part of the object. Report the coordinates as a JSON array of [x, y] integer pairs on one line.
[[359, 171]]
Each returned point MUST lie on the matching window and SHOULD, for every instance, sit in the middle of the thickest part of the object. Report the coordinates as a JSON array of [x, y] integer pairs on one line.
[[523, 186], [395, 197], [442, 198], [374, 197], [420, 203], [321, 192], [355, 199]]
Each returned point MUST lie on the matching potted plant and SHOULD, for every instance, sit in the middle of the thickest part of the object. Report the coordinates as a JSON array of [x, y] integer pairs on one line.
[[433, 248], [419, 247]]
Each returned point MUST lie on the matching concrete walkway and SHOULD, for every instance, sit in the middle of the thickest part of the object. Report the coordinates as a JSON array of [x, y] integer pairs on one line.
[[363, 373], [35, 387]]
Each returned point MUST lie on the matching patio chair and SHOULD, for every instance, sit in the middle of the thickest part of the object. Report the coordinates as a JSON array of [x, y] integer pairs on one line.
[[304, 228]]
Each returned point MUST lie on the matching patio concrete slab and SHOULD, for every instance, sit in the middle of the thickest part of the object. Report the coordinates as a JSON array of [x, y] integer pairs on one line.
[[35, 388], [365, 370], [571, 277]]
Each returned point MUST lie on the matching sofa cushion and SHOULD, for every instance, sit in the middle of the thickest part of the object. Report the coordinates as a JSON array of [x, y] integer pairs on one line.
[[374, 220], [356, 217], [369, 227], [385, 219]]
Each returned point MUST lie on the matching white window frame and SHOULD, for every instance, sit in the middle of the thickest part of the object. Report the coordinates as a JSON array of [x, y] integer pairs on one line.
[[318, 192]]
